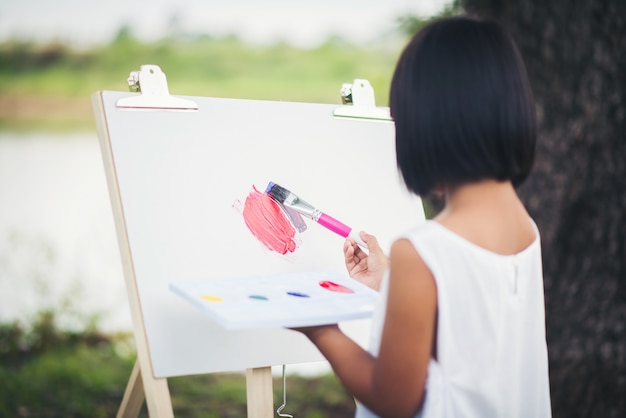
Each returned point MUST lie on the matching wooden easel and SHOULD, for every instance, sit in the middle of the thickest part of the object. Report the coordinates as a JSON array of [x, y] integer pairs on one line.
[[142, 385], [155, 391], [141, 138], [258, 384]]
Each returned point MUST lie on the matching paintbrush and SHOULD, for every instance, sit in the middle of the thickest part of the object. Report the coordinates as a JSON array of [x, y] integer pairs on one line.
[[292, 201]]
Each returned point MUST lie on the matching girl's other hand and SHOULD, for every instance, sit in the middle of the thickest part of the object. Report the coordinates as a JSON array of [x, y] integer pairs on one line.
[[366, 268], [313, 332]]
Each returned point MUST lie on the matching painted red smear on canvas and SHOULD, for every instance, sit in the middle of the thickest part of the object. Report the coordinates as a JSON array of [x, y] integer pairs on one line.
[[268, 223]]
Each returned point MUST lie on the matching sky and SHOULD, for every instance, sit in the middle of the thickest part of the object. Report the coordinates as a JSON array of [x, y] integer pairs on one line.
[[300, 22]]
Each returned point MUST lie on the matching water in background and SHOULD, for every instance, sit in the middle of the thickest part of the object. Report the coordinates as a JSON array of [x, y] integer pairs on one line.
[[58, 248]]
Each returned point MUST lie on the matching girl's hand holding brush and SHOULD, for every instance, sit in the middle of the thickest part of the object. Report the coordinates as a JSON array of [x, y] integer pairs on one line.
[[366, 268]]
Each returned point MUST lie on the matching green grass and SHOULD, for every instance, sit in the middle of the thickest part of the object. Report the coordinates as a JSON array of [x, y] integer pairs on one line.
[[79, 381], [89, 381], [48, 372]]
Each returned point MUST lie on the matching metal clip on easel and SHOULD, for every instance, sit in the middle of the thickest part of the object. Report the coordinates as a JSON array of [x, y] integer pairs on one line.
[[151, 85], [359, 102]]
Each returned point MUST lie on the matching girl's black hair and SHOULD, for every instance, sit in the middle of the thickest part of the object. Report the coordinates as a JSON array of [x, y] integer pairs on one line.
[[463, 107]]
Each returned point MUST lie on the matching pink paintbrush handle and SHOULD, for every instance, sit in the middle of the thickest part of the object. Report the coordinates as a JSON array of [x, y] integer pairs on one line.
[[339, 228], [334, 225]]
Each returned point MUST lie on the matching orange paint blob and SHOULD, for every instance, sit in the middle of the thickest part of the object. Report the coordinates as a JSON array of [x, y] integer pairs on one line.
[[268, 223]]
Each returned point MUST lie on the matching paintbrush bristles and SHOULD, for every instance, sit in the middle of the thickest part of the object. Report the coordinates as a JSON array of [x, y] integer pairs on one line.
[[278, 193], [286, 198]]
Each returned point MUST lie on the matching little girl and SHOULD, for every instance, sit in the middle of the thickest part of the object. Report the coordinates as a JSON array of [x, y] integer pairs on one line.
[[461, 328]]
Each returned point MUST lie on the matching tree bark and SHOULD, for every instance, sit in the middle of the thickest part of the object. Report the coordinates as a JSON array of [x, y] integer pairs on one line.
[[575, 53]]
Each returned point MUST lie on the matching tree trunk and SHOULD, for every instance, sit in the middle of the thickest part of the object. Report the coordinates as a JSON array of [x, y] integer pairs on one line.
[[575, 52]]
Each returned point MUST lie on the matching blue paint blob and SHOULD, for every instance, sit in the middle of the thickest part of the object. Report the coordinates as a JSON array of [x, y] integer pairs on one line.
[[298, 294]]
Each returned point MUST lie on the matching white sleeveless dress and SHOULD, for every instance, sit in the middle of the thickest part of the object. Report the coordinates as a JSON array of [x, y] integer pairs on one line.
[[491, 341]]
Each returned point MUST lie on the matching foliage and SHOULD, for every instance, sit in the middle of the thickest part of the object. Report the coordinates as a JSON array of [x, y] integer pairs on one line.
[[48, 372], [411, 24], [50, 85], [18, 344]]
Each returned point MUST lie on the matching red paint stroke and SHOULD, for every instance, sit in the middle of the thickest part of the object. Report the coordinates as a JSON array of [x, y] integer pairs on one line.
[[268, 223], [335, 287]]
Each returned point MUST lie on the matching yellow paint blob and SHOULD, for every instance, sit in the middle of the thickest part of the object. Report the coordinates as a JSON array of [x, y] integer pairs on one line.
[[210, 298]]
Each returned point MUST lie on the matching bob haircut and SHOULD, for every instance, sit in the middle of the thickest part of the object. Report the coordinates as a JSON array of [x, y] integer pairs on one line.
[[463, 107]]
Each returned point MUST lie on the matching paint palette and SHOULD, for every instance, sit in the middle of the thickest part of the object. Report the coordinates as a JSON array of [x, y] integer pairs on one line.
[[288, 300]]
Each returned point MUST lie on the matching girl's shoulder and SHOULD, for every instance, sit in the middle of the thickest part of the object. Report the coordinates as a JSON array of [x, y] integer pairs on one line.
[[430, 230], [432, 236]]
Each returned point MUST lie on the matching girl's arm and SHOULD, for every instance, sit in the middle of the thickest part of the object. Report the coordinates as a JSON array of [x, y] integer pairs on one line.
[[392, 384]]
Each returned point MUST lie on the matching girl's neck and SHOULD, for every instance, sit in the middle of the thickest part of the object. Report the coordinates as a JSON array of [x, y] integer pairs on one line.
[[490, 214], [482, 195]]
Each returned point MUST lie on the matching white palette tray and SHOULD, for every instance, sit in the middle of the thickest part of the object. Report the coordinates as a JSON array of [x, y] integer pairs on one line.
[[285, 301]]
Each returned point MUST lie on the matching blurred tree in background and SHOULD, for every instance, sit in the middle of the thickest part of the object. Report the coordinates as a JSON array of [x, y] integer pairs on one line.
[[575, 53], [411, 24]]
